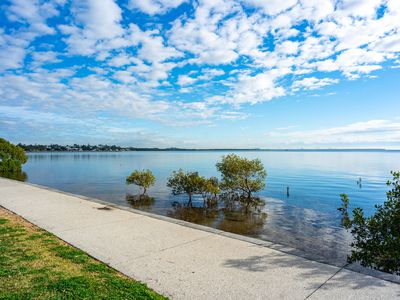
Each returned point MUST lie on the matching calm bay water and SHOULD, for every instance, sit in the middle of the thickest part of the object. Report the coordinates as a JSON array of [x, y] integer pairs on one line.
[[307, 219]]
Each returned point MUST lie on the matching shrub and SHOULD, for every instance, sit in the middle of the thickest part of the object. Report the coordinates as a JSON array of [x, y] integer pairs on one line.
[[344, 209], [209, 190], [241, 177], [143, 179], [189, 183], [376, 239], [11, 157]]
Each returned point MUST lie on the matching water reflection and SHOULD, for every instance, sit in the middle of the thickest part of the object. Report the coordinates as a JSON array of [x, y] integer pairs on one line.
[[199, 215], [239, 222], [359, 183], [20, 176], [235, 221], [142, 202]]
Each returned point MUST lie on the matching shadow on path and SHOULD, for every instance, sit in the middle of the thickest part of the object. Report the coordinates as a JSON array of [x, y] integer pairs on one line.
[[308, 269]]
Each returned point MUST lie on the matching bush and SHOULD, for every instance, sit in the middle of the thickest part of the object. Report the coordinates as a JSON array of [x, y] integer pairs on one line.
[[241, 177], [376, 239], [189, 183], [143, 179], [209, 190], [11, 157], [344, 209]]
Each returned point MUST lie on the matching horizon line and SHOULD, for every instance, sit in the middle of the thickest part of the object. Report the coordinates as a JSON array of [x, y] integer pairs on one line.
[[126, 149]]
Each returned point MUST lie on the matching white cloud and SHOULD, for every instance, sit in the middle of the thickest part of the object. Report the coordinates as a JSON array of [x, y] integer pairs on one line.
[[124, 76], [41, 125], [89, 94], [288, 47], [152, 46], [389, 43], [31, 18], [97, 27], [233, 115], [317, 9], [44, 57], [368, 133], [360, 8], [100, 19], [200, 37], [34, 14], [312, 83], [207, 75], [272, 7], [153, 7], [185, 80], [11, 57], [252, 89], [120, 60]]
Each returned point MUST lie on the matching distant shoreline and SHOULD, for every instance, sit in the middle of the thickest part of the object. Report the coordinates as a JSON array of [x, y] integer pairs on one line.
[[215, 150]]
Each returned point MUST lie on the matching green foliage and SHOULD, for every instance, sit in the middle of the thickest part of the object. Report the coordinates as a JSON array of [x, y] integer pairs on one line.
[[17, 175], [144, 179], [209, 190], [346, 222], [11, 157], [189, 183], [241, 177], [376, 241]]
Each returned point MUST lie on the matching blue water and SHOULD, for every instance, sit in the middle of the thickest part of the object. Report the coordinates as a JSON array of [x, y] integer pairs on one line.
[[306, 219]]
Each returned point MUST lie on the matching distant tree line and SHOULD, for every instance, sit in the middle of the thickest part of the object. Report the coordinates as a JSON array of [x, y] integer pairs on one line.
[[74, 147], [94, 148], [103, 147]]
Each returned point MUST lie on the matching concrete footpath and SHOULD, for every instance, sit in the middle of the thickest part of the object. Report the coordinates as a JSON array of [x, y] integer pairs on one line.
[[183, 262]]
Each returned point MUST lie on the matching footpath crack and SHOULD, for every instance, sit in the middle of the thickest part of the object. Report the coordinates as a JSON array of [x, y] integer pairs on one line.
[[322, 284], [175, 246]]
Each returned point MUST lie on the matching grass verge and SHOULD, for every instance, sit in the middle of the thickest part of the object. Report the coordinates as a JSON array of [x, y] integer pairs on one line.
[[34, 264]]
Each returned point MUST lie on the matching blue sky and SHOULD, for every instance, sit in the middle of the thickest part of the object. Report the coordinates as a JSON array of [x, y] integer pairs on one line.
[[176, 73]]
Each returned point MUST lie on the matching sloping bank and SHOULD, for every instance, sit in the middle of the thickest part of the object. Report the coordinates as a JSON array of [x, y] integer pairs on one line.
[[34, 264]]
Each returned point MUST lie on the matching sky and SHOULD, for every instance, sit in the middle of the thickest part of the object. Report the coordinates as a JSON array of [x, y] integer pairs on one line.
[[201, 74]]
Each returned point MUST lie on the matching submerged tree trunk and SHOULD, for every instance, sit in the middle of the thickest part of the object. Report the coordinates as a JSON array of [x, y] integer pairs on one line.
[[248, 201], [190, 200], [246, 208]]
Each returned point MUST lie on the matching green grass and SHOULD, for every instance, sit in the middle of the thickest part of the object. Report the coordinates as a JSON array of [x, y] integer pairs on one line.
[[34, 264]]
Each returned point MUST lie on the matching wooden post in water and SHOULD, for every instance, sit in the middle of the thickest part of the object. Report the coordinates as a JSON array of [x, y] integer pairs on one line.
[[287, 191]]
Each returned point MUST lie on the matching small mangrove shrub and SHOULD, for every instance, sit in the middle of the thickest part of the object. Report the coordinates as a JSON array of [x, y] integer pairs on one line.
[[209, 190], [241, 177], [191, 183], [344, 210], [376, 239], [142, 178]]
